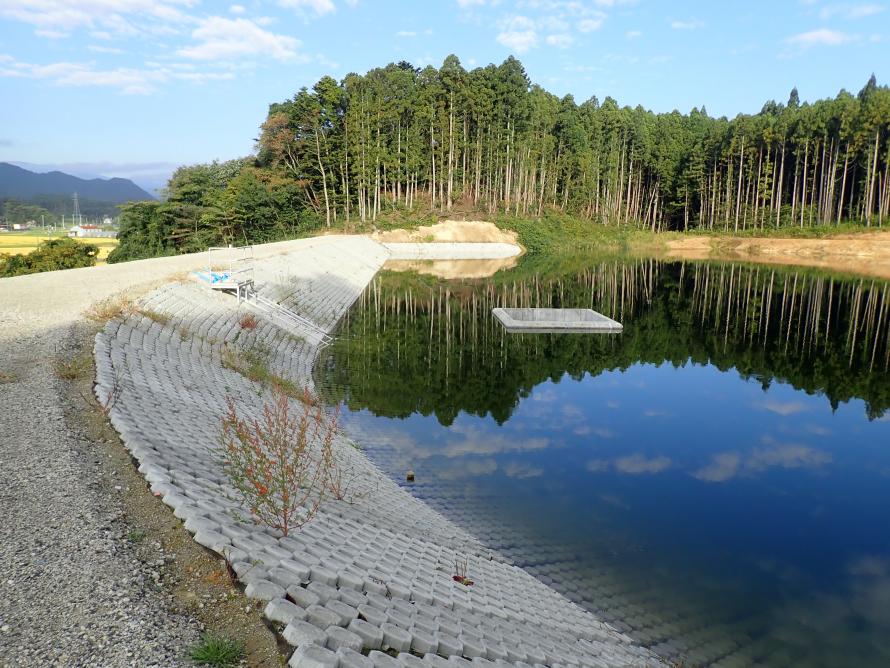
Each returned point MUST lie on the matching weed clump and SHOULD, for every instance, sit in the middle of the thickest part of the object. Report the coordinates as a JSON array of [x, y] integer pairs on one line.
[[161, 318], [72, 369], [217, 651], [109, 309], [253, 364]]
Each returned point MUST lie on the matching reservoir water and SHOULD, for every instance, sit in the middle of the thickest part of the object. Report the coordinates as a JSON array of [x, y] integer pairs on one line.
[[715, 480]]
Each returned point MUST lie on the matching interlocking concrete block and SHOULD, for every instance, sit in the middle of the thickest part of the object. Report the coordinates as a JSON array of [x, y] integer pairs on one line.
[[283, 611], [351, 659], [212, 540], [313, 656], [345, 612], [324, 592], [382, 660], [263, 590], [302, 597], [395, 638], [301, 633], [321, 617], [324, 575], [423, 642], [449, 645], [378, 601], [351, 596], [436, 661], [339, 637], [284, 577], [371, 635], [372, 615], [410, 661], [349, 580], [472, 646], [398, 618], [495, 651]]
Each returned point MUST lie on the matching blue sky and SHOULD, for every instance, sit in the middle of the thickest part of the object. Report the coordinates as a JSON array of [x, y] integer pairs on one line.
[[136, 87]]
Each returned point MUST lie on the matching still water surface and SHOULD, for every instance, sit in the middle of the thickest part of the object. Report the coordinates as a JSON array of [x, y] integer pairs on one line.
[[715, 480]]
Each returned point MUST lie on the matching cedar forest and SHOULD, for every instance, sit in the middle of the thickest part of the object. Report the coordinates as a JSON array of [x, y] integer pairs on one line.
[[428, 141]]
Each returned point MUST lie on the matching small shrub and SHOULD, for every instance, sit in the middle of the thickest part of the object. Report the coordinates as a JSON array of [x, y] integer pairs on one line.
[[72, 369], [217, 651], [248, 321], [6, 377], [278, 464]]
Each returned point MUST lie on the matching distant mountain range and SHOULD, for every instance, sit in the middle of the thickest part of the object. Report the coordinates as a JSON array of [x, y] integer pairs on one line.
[[18, 183]]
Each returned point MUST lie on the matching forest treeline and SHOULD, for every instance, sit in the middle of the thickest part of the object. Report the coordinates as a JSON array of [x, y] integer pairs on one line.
[[440, 344], [400, 138]]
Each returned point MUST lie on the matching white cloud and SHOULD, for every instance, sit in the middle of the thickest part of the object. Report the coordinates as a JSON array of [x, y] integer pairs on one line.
[[597, 465], [518, 33], [723, 466], [73, 14], [631, 464], [222, 38], [320, 7], [821, 37], [522, 471], [469, 3], [104, 49], [638, 463], [589, 25], [850, 12], [406, 33], [518, 40], [237, 9], [127, 80], [786, 455], [51, 34], [782, 408], [633, 34], [693, 24]]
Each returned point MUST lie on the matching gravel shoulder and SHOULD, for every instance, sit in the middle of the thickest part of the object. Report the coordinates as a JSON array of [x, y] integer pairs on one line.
[[93, 570], [74, 590]]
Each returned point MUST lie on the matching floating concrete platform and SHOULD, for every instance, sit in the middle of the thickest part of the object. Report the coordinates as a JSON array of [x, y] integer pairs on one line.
[[556, 320]]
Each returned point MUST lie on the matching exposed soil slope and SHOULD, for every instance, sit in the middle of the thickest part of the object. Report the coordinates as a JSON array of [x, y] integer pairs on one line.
[[867, 253]]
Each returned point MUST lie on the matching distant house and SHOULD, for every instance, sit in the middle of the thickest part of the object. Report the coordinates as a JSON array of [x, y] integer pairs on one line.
[[21, 226], [107, 220], [89, 232]]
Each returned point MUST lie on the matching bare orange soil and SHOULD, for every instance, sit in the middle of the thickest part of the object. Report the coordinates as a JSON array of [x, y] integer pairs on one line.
[[451, 269], [866, 253], [449, 231]]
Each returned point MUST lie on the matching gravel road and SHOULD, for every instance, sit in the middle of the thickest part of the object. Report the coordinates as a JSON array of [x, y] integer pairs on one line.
[[72, 592]]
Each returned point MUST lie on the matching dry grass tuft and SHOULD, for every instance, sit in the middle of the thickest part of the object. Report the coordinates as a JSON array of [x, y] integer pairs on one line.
[[77, 367], [6, 378], [109, 309], [161, 318]]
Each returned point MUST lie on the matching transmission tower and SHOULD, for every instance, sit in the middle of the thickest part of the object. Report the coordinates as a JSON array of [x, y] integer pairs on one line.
[[76, 216]]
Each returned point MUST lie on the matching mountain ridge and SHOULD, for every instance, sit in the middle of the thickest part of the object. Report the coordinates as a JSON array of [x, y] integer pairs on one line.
[[19, 183]]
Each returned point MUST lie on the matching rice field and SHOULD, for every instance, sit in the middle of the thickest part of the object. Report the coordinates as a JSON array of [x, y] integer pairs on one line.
[[20, 243]]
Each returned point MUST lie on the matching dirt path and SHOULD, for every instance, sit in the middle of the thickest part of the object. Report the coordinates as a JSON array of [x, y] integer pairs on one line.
[[866, 254]]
